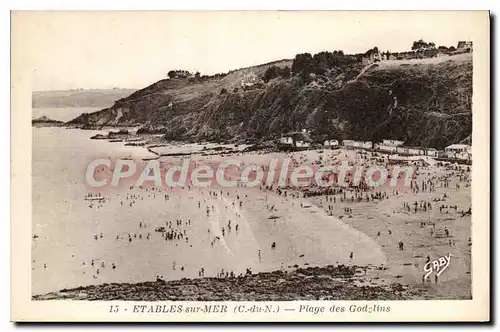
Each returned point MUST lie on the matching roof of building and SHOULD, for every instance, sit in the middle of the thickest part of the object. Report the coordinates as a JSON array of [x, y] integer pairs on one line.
[[298, 135], [458, 146], [412, 147]]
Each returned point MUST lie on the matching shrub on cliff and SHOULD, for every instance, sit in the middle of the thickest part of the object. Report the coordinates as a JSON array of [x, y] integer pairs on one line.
[[322, 63], [178, 74], [275, 71]]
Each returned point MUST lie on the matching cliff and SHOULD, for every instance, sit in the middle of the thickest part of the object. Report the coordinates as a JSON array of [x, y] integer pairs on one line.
[[425, 102]]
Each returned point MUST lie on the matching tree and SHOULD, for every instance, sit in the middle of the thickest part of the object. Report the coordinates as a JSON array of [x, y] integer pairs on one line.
[[172, 74], [421, 45], [179, 74], [303, 64], [285, 72], [270, 73]]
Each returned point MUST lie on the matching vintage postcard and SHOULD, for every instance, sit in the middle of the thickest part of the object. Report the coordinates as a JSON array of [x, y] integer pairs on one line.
[[250, 166]]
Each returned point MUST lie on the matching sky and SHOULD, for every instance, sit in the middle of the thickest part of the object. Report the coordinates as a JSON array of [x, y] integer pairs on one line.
[[70, 50]]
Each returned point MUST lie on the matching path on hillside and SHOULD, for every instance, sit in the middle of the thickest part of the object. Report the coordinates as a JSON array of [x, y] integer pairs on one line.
[[362, 72]]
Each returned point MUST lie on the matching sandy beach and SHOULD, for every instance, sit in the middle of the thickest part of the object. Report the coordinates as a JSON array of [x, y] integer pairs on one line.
[[83, 236]]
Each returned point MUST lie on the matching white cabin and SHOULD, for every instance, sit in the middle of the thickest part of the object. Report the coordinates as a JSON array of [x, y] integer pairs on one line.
[[402, 149], [432, 152], [303, 144], [387, 148], [416, 151], [392, 142], [286, 140], [357, 144], [363, 144], [454, 150], [348, 142], [332, 142]]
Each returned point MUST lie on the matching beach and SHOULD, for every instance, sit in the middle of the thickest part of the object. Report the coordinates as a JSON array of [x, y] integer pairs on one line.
[[130, 234]]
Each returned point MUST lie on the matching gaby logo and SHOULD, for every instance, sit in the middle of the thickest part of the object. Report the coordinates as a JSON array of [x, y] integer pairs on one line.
[[437, 266]]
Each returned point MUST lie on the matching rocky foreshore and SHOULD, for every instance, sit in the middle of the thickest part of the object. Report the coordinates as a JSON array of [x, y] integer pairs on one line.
[[312, 283]]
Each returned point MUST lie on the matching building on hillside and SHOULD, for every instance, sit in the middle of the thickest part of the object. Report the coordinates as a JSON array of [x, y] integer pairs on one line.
[[464, 45], [250, 81], [431, 152], [386, 148], [364, 144], [402, 149], [287, 140], [409, 150], [347, 142], [296, 138], [303, 144], [392, 142], [453, 150], [357, 144], [416, 151], [440, 154], [332, 142], [389, 145]]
